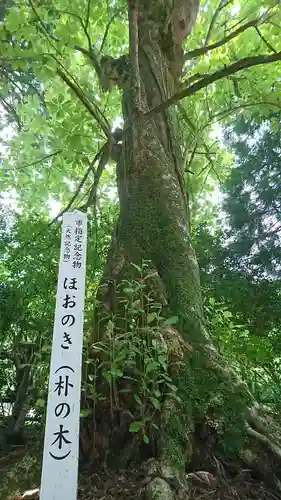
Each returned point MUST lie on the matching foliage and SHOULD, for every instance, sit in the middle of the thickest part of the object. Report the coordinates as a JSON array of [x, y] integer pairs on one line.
[[253, 197], [31, 251], [240, 260], [135, 358], [58, 135]]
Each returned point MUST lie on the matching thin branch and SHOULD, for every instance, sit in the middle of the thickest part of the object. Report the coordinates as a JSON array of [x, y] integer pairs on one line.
[[264, 18], [206, 48], [43, 158], [187, 165], [247, 62], [194, 78], [89, 53], [69, 13], [81, 184], [11, 111], [106, 32], [206, 176], [87, 34], [90, 106], [219, 8], [5, 73], [233, 26], [187, 120], [104, 156], [212, 167], [44, 29], [93, 58], [83, 51], [275, 24], [194, 131], [223, 114], [88, 15], [200, 152], [265, 41]]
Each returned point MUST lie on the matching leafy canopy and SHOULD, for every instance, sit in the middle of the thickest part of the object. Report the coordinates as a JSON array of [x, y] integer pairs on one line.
[[50, 92]]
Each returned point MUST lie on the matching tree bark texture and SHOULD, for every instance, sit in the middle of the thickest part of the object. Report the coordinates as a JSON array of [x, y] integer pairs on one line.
[[154, 216]]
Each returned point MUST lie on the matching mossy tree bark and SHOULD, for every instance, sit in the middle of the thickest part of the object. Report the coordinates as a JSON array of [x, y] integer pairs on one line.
[[154, 225]]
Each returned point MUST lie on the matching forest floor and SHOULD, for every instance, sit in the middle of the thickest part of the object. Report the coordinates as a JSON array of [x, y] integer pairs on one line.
[[128, 485], [19, 477]]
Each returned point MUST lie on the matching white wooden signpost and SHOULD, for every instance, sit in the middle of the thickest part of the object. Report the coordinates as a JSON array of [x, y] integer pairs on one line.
[[61, 447]]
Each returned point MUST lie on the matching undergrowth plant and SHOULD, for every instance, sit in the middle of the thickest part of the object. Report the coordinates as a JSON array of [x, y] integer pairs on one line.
[[134, 358]]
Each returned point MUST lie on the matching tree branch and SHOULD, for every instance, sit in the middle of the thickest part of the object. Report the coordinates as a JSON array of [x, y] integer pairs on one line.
[[206, 48], [81, 184], [187, 164], [91, 107], [106, 32], [5, 72], [222, 114], [245, 63], [265, 41], [11, 111], [43, 158], [104, 156], [43, 28], [93, 58], [208, 153], [219, 8], [264, 18], [90, 53], [88, 15]]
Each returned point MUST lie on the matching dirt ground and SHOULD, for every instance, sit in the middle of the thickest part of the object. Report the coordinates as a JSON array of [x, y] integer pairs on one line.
[[224, 483]]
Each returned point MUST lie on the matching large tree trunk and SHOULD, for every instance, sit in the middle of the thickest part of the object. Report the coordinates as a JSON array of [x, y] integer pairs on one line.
[[154, 226]]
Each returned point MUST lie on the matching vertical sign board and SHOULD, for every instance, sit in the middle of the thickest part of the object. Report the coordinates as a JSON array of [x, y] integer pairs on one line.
[[61, 447]]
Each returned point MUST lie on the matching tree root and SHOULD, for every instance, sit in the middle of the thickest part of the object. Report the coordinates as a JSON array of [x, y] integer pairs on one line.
[[259, 443], [159, 489]]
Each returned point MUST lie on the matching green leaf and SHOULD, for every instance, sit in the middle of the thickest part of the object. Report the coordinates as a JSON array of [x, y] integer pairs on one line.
[[156, 403], [137, 399], [135, 426], [151, 317], [13, 20], [146, 439], [227, 314], [163, 361], [151, 366], [85, 412], [171, 321], [40, 403], [139, 269]]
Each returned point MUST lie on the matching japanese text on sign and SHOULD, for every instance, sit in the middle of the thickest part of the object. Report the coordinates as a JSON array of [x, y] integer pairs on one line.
[[60, 460]]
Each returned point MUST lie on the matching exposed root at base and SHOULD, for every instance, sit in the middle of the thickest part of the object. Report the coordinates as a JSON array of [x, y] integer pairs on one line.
[[200, 485]]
